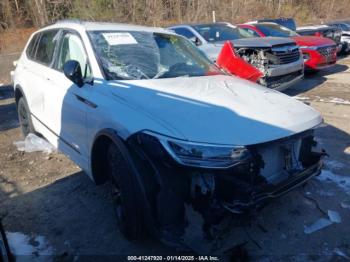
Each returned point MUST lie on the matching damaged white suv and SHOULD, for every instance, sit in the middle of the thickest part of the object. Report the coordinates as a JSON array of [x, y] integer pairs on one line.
[[144, 109]]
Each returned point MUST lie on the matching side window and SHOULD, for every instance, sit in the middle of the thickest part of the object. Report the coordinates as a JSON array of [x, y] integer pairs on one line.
[[250, 31], [184, 32], [32, 46], [72, 49], [46, 46]]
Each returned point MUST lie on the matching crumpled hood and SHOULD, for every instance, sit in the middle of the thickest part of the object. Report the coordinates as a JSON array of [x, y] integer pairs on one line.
[[258, 42], [213, 50], [265, 42], [313, 41], [218, 109]]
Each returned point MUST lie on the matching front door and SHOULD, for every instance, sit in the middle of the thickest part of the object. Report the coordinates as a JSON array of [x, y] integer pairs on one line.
[[67, 104]]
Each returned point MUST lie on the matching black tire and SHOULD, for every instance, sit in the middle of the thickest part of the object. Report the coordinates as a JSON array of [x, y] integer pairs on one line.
[[24, 117], [126, 193]]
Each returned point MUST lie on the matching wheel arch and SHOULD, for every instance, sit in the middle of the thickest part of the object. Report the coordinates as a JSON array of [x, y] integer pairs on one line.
[[19, 93], [98, 154]]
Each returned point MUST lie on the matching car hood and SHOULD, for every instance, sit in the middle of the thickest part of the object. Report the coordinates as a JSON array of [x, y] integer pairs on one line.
[[259, 42], [218, 109], [313, 41], [262, 42]]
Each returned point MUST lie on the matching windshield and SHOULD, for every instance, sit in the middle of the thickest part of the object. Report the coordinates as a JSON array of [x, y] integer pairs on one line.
[[286, 22], [146, 55], [221, 32], [275, 30]]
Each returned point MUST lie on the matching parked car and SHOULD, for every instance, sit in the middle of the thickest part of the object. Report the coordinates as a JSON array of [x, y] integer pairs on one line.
[[278, 59], [286, 22], [146, 110], [318, 52], [330, 32], [344, 27]]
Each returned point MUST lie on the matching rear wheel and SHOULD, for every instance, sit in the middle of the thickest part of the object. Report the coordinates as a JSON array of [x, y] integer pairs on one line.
[[126, 194], [24, 117]]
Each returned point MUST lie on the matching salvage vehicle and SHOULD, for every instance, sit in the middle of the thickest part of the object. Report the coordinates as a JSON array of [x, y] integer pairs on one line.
[[325, 31], [318, 52], [275, 62], [145, 110], [344, 27]]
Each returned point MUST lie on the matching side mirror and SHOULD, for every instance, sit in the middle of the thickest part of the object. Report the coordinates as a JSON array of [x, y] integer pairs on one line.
[[72, 71], [196, 40]]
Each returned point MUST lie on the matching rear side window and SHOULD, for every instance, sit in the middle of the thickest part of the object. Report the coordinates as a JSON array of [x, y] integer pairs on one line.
[[31, 47], [184, 32], [46, 46], [250, 31]]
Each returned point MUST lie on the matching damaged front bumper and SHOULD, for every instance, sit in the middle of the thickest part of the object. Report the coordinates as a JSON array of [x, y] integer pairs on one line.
[[281, 77], [259, 199], [273, 169]]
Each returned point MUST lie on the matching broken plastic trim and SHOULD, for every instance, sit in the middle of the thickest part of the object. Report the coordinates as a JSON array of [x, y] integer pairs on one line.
[[295, 181], [202, 155]]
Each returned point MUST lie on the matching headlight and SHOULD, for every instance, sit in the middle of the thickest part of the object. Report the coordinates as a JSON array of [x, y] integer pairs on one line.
[[202, 155]]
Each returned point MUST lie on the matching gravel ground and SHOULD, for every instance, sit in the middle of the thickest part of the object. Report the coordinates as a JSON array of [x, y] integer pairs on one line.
[[50, 205]]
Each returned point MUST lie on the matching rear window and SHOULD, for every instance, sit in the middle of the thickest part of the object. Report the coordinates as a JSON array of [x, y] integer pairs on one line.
[[31, 47], [221, 32], [275, 30], [286, 22], [46, 46]]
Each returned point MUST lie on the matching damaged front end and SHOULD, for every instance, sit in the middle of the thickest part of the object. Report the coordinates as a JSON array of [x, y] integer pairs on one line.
[[280, 66], [219, 181]]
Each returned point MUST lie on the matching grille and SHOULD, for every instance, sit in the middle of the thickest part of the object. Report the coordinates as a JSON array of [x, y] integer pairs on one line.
[[327, 50], [285, 55]]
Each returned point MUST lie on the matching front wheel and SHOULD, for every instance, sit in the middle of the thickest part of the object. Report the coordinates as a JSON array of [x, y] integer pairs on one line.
[[24, 117], [125, 192]]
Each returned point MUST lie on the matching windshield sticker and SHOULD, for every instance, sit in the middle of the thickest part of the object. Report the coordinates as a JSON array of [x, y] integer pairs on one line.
[[119, 38]]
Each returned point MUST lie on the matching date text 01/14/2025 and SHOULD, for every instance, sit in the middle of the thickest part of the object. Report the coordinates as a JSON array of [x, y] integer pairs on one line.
[[173, 258]]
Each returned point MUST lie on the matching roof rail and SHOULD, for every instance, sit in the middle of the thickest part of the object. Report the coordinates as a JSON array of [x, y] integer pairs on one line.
[[76, 21]]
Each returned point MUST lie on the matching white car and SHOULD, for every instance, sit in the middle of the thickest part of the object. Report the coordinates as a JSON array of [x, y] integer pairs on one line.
[[144, 109]]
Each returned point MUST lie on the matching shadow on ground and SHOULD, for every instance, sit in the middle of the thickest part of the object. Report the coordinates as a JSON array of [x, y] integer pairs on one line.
[[8, 113], [314, 79]]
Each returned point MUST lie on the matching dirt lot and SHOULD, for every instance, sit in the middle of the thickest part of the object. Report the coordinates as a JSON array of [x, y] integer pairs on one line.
[[47, 201]]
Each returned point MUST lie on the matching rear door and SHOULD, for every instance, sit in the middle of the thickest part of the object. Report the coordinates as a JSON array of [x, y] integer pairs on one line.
[[39, 59], [66, 103]]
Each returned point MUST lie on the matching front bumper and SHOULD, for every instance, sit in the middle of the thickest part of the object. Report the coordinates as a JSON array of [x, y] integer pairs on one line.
[[259, 199], [283, 82], [317, 61], [280, 77], [274, 169]]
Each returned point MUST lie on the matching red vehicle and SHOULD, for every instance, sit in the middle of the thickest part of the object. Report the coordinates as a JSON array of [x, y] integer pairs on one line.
[[318, 52]]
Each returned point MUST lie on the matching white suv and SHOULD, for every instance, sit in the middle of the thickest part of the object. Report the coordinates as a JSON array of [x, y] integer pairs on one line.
[[145, 109]]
